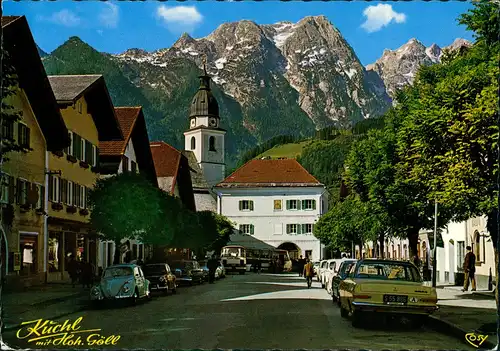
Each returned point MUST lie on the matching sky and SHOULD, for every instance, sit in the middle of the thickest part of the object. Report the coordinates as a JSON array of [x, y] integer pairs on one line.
[[115, 26]]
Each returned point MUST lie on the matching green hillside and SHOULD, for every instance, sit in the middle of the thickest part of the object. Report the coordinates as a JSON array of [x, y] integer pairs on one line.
[[290, 150]]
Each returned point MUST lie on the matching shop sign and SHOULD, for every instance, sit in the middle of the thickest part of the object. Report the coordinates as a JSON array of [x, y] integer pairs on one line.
[[17, 261]]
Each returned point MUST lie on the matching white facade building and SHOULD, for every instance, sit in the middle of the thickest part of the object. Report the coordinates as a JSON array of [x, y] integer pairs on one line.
[[277, 202]]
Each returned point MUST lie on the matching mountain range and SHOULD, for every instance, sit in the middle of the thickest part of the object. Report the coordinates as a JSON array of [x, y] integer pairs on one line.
[[269, 80]]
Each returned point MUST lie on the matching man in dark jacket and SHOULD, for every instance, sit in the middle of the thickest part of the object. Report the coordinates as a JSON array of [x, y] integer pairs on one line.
[[302, 263], [470, 269], [212, 267]]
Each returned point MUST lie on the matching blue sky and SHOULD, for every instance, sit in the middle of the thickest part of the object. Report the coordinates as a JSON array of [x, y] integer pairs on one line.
[[113, 27]]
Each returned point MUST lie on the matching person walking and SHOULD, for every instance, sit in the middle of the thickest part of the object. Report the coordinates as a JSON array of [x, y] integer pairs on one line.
[[302, 263], [86, 274], [308, 272], [212, 267], [73, 270], [469, 269]]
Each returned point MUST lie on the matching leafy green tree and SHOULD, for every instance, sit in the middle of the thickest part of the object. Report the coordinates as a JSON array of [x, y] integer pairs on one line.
[[8, 114], [372, 172], [350, 221], [127, 206]]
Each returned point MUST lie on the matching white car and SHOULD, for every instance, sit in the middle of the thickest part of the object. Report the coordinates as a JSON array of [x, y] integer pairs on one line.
[[328, 271], [321, 269], [331, 272]]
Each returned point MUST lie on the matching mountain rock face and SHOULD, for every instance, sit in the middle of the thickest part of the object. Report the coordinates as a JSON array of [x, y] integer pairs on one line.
[[398, 68], [280, 79]]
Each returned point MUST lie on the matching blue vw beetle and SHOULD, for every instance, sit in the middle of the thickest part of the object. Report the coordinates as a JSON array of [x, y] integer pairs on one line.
[[121, 281]]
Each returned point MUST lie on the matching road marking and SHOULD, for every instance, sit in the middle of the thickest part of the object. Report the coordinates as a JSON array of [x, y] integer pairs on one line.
[[305, 294], [297, 284]]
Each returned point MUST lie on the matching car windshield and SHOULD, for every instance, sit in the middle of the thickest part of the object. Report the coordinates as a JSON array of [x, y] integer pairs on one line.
[[117, 272], [388, 271], [155, 269], [231, 251], [346, 267]]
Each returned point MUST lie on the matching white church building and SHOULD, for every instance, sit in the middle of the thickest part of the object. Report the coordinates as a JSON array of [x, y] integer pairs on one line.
[[277, 202]]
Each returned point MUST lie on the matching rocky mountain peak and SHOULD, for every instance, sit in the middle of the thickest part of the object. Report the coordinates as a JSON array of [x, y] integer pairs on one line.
[[433, 52], [458, 43], [183, 41]]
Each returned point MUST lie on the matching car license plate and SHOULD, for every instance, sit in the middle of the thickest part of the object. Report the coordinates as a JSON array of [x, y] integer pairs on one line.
[[396, 299]]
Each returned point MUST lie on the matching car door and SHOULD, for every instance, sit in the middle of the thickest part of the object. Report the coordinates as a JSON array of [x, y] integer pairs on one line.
[[139, 281], [329, 276]]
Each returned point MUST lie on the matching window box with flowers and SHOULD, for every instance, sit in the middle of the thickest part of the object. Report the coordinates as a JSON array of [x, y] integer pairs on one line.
[[84, 164], [71, 209], [71, 158], [84, 212], [25, 207], [58, 153], [56, 206]]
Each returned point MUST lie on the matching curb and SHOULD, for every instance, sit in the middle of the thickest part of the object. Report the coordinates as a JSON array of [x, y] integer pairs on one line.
[[455, 331], [14, 327]]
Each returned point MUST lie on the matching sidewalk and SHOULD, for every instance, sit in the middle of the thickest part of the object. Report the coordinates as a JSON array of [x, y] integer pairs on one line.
[[466, 312], [49, 301]]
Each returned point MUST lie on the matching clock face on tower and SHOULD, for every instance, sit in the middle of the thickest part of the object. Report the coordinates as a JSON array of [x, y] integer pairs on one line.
[[193, 122], [212, 122]]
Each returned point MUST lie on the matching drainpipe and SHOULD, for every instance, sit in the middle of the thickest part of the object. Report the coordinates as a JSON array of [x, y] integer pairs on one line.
[[45, 217]]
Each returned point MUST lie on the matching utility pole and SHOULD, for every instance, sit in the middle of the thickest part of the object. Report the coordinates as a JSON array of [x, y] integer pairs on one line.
[[434, 264]]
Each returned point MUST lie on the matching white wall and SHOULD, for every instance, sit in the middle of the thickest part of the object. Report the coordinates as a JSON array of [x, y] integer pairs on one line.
[[130, 153], [270, 224]]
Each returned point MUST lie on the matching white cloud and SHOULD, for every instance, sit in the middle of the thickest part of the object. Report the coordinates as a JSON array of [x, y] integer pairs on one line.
[[380, 16], [179, 18], [65, 18], [109, 16]]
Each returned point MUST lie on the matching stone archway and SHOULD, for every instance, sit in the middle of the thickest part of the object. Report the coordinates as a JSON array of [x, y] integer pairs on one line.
[[293, 250]]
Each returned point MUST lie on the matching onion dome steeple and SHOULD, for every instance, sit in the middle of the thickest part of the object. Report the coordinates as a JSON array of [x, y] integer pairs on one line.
[[204, 103]]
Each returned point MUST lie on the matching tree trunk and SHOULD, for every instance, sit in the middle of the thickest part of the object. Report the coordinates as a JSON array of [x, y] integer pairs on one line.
[[116, 259], [412, 236], [382, 246]]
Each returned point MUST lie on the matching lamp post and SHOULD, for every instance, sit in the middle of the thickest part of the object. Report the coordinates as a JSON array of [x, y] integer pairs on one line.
[[434, 264]]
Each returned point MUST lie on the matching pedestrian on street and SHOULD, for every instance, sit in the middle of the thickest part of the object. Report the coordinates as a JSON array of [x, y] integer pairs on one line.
[[73, 270], [469, 269], [86, 274], [302, 263], [212, 267], [308, 272]]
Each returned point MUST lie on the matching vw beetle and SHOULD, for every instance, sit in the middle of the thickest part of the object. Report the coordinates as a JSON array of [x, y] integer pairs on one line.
[[121, 282]]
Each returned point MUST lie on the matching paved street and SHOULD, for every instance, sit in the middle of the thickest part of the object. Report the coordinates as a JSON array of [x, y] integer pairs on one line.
[[250, 311]]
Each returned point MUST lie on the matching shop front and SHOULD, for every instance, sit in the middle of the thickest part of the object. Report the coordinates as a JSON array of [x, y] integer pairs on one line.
[[66, 240]]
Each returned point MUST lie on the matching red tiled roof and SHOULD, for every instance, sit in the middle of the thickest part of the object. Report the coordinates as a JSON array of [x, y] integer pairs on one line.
[[166, 159], [126, 119], [285, 172]]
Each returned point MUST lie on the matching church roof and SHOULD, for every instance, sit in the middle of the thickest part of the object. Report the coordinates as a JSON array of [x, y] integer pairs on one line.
[[197, 177], [270, 173], [204, 102]]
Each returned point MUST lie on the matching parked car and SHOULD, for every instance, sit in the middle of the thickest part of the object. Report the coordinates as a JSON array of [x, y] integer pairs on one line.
[[119, 282], [331, 271], [321, 268], [220, 272], [188, 272], [161, 277], [386, 286], [204, 267], [315, 267], [342, 273]]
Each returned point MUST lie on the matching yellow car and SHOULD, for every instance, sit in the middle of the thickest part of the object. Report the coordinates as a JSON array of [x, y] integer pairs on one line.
[[385, 286]]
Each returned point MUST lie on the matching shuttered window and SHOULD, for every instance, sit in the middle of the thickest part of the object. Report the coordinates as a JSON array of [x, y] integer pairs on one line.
[[307, 228], [133, 167], [292, 204], [77, 146], [23, 135], [41, 198], [64, 191], [124, 163], [246, 205], [247, 229], [293, 229], [308, 204], [4, 198], [89, 154], [8, 129]]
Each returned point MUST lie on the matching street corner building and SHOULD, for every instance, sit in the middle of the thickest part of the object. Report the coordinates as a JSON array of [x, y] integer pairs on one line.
[[277, 202], [130, 154], [40, 130], [89, 116]]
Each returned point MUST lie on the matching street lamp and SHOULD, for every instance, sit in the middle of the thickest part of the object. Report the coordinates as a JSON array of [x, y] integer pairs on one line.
[[434, 266]]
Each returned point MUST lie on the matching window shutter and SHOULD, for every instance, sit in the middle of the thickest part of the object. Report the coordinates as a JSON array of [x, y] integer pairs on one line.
[[12, 190], [304, 228], [20, 134], [51, 187], [75, 194], [97, 157], [287, 206], [42, 197], [314, 204], [299, 229], [19, 185], [241, 227], [77, 146], [89, 155], [250, 205], [84, 197], [64, 188], [303, 203], [298, 205], [288, 228], [241, 206], [28, 138], [59, 186], [251, 229]]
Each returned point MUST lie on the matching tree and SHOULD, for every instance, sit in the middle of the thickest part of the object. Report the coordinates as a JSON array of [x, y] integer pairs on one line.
[[128, 206], [213, 232], [372, 172], [348, 222], [8, 114]]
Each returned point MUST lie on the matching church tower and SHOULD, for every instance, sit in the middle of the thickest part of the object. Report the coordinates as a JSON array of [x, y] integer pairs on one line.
[[204, 137]]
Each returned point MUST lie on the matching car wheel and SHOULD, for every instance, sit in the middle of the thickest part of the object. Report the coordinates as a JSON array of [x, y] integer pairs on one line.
[[343, 312], [334, 298], [133, 299]]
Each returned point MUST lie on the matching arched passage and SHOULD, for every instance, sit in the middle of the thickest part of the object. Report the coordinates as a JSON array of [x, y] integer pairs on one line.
[[293, 250]]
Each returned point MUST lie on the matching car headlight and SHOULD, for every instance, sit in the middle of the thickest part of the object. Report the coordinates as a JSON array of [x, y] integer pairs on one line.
[[126, 288], [162, 279]]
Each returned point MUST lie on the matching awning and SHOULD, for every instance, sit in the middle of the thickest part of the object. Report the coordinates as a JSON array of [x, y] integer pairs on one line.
[[249, 242]]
